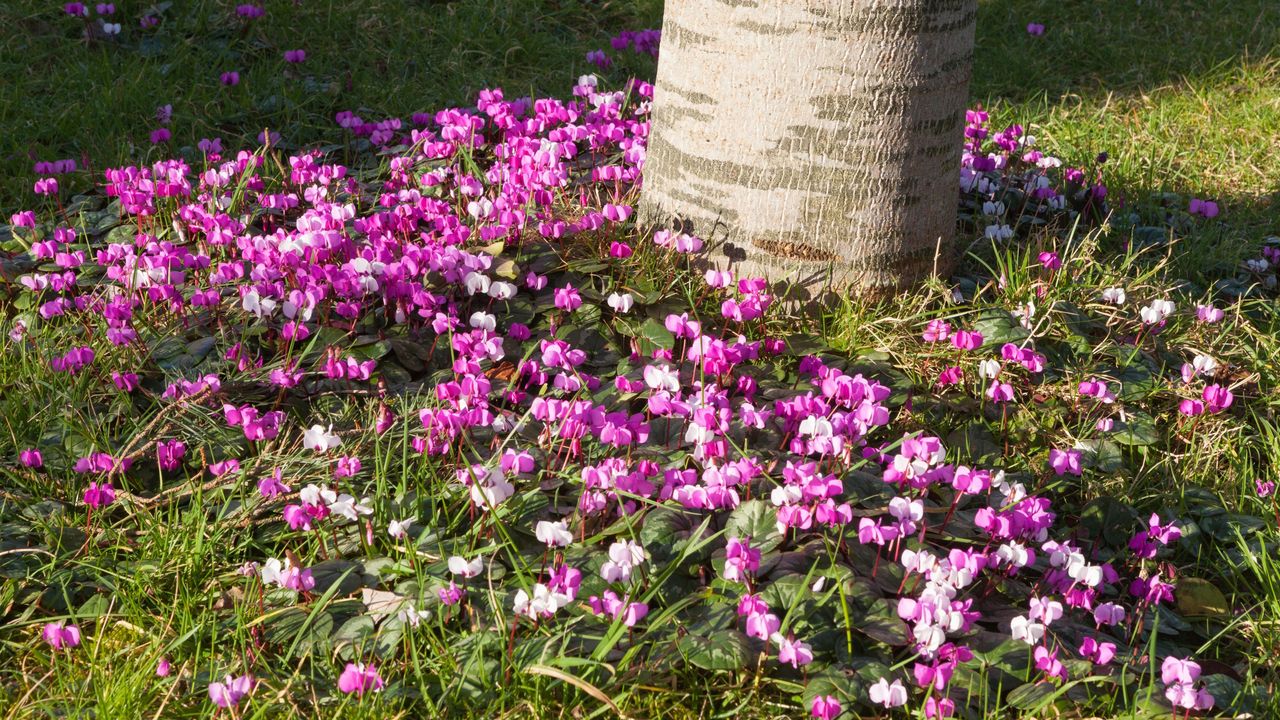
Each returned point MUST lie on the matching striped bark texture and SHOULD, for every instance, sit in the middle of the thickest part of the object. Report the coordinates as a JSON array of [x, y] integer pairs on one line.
[[815, 141]]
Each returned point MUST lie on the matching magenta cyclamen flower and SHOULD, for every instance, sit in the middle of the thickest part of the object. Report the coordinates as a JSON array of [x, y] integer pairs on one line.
[[1217, 398], [31, 458], [359, 678], [567, 298], [1050, 260], [1035, 29], [229, 78], [160, 135], [169, 454], [76, 9], [295, 56], [825, 707], [967, 340], [96, 496], [61, 636], [1064, 461], [1203, 208]]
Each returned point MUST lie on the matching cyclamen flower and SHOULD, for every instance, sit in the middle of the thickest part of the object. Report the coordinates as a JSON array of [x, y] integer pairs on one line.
[[1050, 260], [621, 303], [624, 557], [1203, 208], [1035, 29], [465, 568], [740, 559], [1209, 314], [320, 439], [1156, 312], [1065, 462], [31, 458], [60, 636], [553, 534], [889, 695], [230, 78], [1114, 295], [567, 298], [825, 707], [791, 651], [1217, 398], [231, 691], [358, 678], [96, 496], [1097, 653], [967, 340], [295, 56], [399, 529]]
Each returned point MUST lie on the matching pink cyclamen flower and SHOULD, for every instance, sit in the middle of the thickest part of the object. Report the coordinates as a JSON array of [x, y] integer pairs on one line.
[[967, 340], [1000, 392], [1096, 652], [160, 135], [1203, 208], [61, 636], [1050, 260], [295, 56], [359, 678], [229, 78], [1064, 461], [1105, 424], [31, 458], [1191, 408], [163, 667], [825, 707], [1217, 398], [937, 331], [567, 298], [1035, 29], [96, 496], [230, 691], [1265, 488], [1209, 314], [76, 9], [950, 376], [793, 652]]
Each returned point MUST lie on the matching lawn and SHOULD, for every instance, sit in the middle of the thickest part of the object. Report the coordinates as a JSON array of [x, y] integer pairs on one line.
[[406, 428]]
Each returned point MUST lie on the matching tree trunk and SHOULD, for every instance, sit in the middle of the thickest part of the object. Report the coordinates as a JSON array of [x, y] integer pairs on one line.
[[816, 141]]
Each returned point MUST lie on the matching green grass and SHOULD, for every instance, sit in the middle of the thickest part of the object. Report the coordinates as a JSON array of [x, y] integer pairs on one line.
[[1203, 120]]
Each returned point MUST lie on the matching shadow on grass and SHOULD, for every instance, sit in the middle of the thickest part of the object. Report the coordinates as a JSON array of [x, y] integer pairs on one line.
[[1113, 46]]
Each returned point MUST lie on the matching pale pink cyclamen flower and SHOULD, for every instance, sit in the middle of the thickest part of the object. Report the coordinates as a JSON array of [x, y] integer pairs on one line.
[[792, 652], [890, 695], [230, 691], [1209, 314]]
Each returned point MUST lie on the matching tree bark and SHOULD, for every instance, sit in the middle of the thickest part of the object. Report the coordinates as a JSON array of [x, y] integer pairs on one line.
[[816, 141]]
